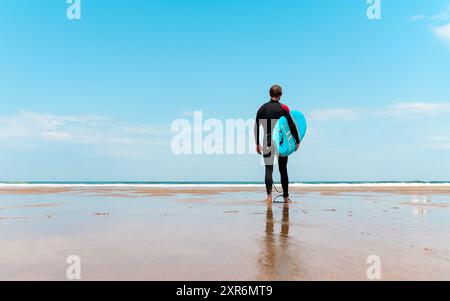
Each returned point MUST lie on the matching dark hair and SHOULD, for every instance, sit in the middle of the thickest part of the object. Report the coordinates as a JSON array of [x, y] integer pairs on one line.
[[276, 91]]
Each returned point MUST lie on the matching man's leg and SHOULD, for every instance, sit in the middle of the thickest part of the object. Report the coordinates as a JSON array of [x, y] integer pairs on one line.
[[269, 179], [282, 165], [268, 161]]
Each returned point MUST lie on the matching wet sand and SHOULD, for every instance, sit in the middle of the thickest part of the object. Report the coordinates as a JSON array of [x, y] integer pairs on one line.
[[224, 233]]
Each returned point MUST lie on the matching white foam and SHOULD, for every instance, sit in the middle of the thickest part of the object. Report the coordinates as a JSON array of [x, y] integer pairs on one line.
[[174, 185]]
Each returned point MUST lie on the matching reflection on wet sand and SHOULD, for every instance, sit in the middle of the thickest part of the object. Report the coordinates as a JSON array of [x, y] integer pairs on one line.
[[222, 234], [279, 259]]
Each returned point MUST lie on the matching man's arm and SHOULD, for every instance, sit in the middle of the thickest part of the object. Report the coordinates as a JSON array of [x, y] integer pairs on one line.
[[256, 131], [292, 126]]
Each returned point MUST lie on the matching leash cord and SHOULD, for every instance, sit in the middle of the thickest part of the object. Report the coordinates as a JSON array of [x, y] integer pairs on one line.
[[278, 196]]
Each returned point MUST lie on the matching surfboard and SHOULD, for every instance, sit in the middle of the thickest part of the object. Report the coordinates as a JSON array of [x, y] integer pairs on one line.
[[282, 136]]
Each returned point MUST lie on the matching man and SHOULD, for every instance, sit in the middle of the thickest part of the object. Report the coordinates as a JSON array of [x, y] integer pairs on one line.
[[268, 116]]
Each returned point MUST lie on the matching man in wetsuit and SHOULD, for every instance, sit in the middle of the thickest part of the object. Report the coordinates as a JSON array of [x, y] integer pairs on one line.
[[268, 116]]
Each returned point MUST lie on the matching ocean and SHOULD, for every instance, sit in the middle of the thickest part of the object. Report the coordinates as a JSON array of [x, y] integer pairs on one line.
[[222, 183]]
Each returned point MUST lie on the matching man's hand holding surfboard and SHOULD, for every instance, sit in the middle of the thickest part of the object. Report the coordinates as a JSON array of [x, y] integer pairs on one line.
[[282, 137]]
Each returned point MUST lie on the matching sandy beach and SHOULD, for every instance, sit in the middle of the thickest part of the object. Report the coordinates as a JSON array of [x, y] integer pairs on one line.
[[224, 232]]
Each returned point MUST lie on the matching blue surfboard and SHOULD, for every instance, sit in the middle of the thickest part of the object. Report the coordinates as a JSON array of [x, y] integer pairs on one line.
[[282, 136]]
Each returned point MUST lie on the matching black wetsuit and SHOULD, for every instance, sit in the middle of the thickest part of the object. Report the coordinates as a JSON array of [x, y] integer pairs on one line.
[[267, 116]]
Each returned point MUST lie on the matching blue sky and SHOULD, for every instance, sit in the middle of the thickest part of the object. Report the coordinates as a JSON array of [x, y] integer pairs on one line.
[[94, 99]]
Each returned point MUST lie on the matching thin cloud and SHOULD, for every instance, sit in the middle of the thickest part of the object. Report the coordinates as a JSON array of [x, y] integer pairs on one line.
[[437, 17], [441, 16], [437, 23], [417, 18], [397, 110], [442, 32], [90, 129], [415, 109], [55, 136], [438, 142]]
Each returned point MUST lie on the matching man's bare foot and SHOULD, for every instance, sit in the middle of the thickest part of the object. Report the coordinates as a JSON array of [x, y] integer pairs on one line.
[[287, 200], [269, 199]]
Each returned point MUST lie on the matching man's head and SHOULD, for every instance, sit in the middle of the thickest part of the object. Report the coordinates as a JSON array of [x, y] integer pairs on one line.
[[275, 92]]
